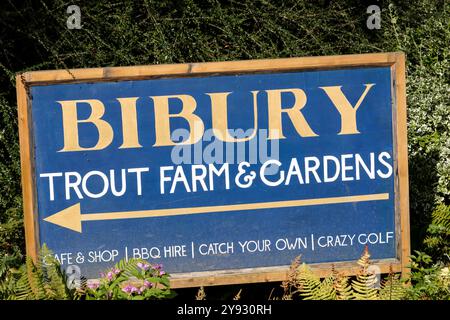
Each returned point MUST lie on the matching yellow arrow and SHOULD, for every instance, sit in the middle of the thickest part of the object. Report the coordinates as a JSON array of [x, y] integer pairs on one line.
[[71, 217]]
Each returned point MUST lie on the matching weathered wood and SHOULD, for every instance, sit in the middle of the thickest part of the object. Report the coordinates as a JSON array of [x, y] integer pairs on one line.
[[402, 153], [186, 69], [27, 164], [271, 274]]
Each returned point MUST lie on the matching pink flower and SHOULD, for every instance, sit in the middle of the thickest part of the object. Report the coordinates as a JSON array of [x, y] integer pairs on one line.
[[93, 285], [110, 275], [148, 284], [127, 289], [130, 289], [158, 266], [143, 266], [161, 273]]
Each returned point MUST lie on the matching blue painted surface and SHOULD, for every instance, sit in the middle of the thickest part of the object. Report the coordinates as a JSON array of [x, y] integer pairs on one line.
[[374, 122]]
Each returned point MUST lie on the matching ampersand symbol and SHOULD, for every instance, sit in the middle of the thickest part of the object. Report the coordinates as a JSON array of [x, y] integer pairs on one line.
[[80, 258], [247, 178]]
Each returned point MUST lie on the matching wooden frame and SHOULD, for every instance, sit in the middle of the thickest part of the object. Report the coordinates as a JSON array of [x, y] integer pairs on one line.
[[396, 61]]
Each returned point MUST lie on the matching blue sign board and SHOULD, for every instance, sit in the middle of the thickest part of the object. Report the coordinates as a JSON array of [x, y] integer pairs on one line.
[[217, 172]]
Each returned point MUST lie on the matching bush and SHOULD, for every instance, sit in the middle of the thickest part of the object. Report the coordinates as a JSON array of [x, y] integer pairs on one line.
[[431, 281], [135, 279], [34, 36], [304, 284], [44, 279]]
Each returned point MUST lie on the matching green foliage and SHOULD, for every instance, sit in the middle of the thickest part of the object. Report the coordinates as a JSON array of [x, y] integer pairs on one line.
[[304, 283], [425, 39], [441, 216], [430, 281], [11, 227], [8, 275], [438, 239], [392, 288], [134, 279], [34, 36], [40, 280], [363, 285], [312, 288], [341, 286]]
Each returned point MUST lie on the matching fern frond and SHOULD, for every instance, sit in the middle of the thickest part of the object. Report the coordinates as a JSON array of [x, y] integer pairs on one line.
[[306, 280], [36, 280], [341, 285], [362, 287], [392, 287], [23, 287], [311, 287], [42, 280], [325, 291], [441, 216], [291, 281], [303, 282], [363, 284], [364, 260], [130, 266], [8, 275]]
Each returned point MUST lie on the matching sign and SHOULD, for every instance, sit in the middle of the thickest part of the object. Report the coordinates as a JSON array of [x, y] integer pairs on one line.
[[223, 172]]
